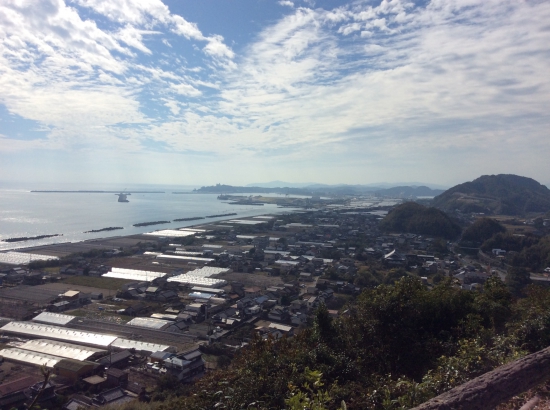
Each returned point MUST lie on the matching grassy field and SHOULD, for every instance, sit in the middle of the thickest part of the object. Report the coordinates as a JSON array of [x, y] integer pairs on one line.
[[96, 282]]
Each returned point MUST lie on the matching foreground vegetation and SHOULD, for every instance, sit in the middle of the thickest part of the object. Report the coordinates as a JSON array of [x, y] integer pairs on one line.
[[394, 348]]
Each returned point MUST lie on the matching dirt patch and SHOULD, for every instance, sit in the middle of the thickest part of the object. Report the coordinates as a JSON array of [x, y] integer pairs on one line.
[[63, 287], [96, 282], [253, 279]]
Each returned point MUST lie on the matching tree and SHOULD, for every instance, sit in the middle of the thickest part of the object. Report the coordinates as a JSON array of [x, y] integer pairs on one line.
[[481, 230], [516, 279]]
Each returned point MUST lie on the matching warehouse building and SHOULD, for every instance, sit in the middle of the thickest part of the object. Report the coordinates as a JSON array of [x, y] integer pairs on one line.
[[36, 330], [61, 349]]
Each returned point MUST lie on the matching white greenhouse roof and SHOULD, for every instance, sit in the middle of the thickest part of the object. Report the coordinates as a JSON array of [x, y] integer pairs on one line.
[[207, 271], [198, 280], [133, 274], [26, 356], [188, 258], [210, 290], [53, 318], [243, 222], [187, 253], [149, 322], [61, 349], [121, 343], [22, 258], [170, 232], [245, 236], [31, 329]]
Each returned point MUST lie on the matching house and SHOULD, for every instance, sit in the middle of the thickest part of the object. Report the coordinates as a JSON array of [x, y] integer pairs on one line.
[[313, 303], [187, 366], [115, 396], [305, 277], [136, 309], [286, 330], [78, 403], [252, 291], [116, 377], [395, 259], [279, 314], [117, 360], [159, 356], [13, 394], [298, 319], [74, 370]]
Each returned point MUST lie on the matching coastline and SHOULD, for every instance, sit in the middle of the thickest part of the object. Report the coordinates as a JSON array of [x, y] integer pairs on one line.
[[110, 242]]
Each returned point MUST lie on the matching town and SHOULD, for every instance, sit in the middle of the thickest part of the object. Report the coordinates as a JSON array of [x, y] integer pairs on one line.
[[108, 321]]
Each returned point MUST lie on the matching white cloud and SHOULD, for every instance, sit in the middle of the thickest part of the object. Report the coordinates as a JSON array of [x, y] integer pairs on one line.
[[186, 89], [286, 3]]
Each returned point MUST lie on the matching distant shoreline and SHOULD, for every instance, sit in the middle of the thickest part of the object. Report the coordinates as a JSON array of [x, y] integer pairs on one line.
[[97, 192]]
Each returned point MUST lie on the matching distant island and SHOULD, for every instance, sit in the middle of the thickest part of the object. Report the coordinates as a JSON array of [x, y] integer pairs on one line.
[[151, 223], [111, 228], [30, 238], [188, 219]]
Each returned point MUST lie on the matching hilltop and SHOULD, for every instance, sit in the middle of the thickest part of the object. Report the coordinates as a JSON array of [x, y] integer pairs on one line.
[[504, 194], [421, 220]]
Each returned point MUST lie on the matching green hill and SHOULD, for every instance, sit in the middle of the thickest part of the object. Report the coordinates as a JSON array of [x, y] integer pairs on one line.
[[414, 218], [503, 194], [482, 230]]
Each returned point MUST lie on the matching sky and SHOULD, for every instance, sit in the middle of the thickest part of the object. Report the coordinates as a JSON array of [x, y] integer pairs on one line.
[[215, 91]]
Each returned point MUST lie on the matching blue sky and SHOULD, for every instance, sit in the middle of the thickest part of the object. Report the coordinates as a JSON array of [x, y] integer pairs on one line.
[[201, 92]]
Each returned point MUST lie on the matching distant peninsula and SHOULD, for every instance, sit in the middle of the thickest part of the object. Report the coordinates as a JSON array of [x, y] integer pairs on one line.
[[30, 238], [151, 223], [111, 228], [322, 190]]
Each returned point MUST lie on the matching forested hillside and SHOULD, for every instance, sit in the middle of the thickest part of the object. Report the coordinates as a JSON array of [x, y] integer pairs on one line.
[[418, 219], [496, 194]]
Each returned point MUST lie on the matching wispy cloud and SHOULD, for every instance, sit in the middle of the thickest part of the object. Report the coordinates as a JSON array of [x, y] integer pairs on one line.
[[386, 78]]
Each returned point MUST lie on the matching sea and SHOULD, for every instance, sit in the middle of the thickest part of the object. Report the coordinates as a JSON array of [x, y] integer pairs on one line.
[[26, 214]]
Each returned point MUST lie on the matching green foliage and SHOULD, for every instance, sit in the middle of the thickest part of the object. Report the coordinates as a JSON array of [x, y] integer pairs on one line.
[[531, 324], [397, 346], [309, 395], [534, 257], [394, 275], [509, 242], [414, 218], [481, 230], [516, 279], [368, 277]]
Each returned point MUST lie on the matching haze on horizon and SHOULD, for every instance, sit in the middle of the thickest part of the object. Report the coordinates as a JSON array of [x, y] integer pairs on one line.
[[201, 92]]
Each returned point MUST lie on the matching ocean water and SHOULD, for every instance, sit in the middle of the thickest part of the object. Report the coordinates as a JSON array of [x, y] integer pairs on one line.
[[26, 214]]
